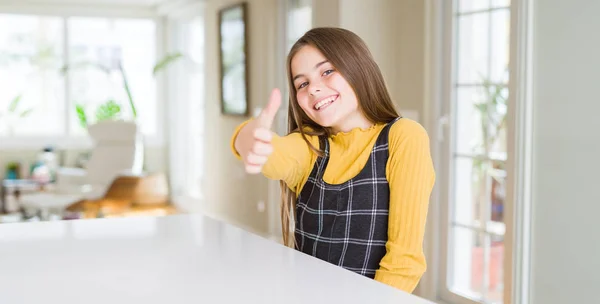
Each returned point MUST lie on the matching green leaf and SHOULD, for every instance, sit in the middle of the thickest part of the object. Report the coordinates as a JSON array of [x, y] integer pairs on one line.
[[81, 115], [26, 113], [128, 91], [166, 61], [481, 107], [108, 111], [14, 103]]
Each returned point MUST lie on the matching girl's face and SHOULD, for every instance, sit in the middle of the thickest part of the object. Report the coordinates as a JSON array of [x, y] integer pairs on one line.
[[323, 93]]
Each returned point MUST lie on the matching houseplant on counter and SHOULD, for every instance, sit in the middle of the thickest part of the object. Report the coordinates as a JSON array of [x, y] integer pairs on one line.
[[112, 109]]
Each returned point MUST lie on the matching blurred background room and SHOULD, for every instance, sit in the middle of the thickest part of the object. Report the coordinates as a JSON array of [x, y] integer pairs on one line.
[[125, 108]]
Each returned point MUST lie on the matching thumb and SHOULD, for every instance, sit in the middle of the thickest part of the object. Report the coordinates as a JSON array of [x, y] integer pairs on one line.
[[267, 115]]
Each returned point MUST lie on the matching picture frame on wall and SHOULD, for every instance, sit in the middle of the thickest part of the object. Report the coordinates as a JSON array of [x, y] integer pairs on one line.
[[233, 59]]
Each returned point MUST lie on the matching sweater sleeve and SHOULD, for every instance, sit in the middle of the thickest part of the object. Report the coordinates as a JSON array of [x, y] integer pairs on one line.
[[411, 178], [291, 160]]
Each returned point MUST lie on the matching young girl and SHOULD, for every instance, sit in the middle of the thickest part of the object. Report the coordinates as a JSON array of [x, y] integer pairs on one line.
[[356, 177]]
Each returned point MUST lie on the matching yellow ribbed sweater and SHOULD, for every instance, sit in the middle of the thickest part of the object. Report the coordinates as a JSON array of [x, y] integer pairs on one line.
[[410, 174]]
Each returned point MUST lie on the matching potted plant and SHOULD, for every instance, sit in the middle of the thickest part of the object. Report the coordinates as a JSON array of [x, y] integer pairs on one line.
[[12, 170], [112, 109]]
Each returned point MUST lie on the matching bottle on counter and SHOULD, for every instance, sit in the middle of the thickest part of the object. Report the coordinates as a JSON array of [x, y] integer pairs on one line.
[[45, 168]]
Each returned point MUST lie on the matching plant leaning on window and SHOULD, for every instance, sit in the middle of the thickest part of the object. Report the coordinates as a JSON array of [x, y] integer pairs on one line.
[[111, 109], [492, 109]]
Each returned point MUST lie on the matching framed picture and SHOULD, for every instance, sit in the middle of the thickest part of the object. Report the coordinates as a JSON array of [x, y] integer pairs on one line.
[[233, 54]]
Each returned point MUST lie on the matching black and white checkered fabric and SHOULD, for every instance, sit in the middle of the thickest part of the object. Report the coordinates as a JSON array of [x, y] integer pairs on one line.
[[346, 224]]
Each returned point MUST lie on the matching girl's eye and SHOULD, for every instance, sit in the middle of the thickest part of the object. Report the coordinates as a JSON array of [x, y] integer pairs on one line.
[[302, 85], [327, 72]]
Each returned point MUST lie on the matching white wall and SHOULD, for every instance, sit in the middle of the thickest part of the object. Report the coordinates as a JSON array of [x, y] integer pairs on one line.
[[230, 193], [394, 31], [566, 202]]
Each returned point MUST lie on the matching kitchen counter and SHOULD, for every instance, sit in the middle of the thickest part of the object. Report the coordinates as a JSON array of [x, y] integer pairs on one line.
[[172, 259]]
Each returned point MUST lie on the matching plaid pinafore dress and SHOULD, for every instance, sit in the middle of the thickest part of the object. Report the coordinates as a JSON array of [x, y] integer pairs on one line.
[[346, 224]]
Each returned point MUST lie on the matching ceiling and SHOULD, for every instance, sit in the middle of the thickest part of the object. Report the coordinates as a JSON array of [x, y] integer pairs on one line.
[[138, 3]]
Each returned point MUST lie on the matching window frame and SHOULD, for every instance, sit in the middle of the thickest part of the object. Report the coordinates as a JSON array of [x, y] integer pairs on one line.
[[446, 140], [517, 214], [520, 154], [452, 155], [66, 141]]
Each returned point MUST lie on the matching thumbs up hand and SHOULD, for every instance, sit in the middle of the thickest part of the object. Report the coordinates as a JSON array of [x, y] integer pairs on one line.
[[253, 142]]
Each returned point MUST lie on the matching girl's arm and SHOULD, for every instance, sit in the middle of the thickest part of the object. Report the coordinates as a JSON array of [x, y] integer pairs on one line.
[[291, 159], [262, 151], [411, 178]]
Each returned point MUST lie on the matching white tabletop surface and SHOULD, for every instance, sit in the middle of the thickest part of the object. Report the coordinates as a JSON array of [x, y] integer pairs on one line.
[[174, 259]]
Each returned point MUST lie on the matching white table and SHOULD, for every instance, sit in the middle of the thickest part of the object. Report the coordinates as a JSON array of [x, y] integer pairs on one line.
[[174, 259]]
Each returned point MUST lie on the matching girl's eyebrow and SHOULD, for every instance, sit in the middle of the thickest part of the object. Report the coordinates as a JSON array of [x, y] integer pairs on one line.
[[316, 67]]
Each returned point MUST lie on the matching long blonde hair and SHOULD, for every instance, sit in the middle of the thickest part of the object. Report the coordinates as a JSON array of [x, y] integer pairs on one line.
[[351, 57]]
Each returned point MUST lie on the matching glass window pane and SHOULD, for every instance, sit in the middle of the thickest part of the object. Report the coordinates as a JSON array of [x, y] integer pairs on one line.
[[500, 3], [111, 44], [479, 194], [299, 19], [196, 117], [465, 202], [495, 104], [477, 266], [500, 51], [495, 289], [472, 5], [468, 133], [32, 94], [472, 184], [480, 120], [473, 48], [467, 264]]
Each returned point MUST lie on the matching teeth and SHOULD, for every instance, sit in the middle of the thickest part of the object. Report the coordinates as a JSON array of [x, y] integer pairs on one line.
[[324, 102]]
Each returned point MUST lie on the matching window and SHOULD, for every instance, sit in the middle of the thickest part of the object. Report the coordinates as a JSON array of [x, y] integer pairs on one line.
[[299, 20], [111, 43], [32, 98], [194, 45], [477, 151], [187, 116], [42, 91]]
